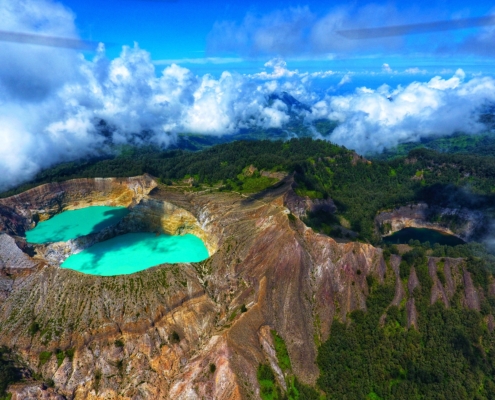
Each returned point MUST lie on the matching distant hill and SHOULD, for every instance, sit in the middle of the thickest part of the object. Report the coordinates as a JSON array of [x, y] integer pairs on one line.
[[482, 144]]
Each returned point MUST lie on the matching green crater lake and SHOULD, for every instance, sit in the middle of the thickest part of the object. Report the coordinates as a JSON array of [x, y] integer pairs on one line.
[[423, 235], [133, 252], [75, 223]]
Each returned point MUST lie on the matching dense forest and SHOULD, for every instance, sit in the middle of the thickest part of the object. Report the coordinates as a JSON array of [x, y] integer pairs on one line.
[[360, 188], [448, 356], [458, 143]]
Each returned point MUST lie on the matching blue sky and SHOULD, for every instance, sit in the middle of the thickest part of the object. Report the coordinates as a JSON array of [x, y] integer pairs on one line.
[[185, 29]]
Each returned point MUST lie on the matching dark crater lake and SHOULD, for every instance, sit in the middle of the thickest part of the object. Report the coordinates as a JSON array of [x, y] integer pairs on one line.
[[423, 235]]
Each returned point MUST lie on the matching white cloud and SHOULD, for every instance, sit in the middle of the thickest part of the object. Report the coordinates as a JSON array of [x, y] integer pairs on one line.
[[279, 67], [204, 60], [386, 68], [371, 121], [415, 71], [345, 79], [52, 100]]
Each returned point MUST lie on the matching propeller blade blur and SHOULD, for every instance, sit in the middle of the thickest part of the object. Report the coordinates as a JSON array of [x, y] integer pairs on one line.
[[50, 41], [412, 29]]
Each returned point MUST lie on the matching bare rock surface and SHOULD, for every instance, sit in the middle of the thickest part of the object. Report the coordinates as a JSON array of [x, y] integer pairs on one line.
[[11, 256], [33, 391], [472, 298]]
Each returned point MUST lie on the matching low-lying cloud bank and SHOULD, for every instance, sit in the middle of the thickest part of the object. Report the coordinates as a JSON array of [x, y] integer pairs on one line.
[[374, 120], [52, 101]]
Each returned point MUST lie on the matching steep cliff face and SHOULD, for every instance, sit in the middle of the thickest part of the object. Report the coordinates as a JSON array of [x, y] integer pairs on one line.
[[19, 213], [301, 206], [156, 334]]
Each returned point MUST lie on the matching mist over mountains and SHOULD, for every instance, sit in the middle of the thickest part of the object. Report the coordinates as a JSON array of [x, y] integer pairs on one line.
[[53, 101]]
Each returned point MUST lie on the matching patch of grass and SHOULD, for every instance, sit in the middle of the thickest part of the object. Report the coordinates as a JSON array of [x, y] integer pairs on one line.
[[44, 357], [268, 386], [70, 354], [282, 353], [118, 343], [60, 357], [256, 184], [33, 328], [312, 194], [233, 315]]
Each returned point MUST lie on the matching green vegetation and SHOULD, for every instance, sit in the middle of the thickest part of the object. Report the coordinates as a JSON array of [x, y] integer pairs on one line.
[[269, 389], [223, 163], [60, 357], [9, 373], [119, 343], [450, 355], [70, 354], [248, 182], [361, 189], [44, 357], [33, 328], [282, 353], [483, 144]]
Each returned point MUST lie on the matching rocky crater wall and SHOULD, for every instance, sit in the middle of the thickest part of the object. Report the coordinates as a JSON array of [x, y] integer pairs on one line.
[[24, 211], [21, 212]]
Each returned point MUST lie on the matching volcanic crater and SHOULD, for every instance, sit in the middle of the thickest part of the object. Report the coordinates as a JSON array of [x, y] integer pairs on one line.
[[156, 333]]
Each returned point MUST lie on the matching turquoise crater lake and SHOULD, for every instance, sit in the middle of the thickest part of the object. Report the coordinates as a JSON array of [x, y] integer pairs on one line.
[[135, 252], [75, 223]]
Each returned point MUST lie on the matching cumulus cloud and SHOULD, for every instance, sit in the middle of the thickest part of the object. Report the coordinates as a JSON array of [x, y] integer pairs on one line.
[[55, 105], [23, 65], [137, 107], [373, 120], [386, 68]]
